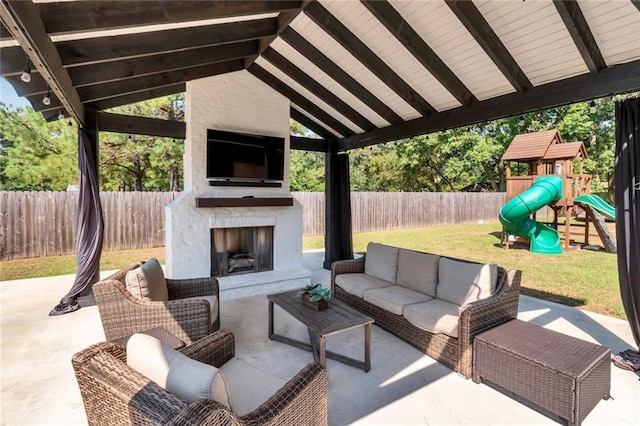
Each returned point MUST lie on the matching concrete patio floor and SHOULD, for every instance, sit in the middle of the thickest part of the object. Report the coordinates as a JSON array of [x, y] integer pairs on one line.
[[404, 386]]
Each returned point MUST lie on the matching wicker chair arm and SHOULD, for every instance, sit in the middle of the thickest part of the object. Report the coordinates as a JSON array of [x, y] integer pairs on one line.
[[214, 349], [351, 266], [301, 401], [193, 287]]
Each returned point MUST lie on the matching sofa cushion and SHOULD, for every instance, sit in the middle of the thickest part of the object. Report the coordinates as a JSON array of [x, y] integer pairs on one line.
[[147, 282], [434, 316], [178, 374], [357, 284], [213, 304], [394, 298], [463, 282], [381, 262], [418, 271]]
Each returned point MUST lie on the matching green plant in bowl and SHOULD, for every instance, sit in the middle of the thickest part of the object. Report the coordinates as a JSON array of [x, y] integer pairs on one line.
[[315, 293]]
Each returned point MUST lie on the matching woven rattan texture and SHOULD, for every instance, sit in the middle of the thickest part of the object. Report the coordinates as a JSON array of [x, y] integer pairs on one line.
[[456, 353]]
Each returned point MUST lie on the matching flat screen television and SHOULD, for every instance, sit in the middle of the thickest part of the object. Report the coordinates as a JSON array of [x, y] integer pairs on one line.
[[241, 156]]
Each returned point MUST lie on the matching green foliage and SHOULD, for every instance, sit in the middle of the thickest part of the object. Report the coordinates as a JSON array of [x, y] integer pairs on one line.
[[307, 171], [315, 292]]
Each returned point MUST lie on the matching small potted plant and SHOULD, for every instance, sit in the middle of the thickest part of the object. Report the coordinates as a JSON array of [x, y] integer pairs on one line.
[[315, 296]]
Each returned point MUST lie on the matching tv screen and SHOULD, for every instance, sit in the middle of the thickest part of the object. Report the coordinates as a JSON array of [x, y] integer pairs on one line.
[[243, 156]]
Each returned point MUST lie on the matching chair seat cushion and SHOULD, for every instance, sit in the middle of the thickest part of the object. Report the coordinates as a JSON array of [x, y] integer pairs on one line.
[[188, 379], [434, 316], [394, 298], [147, 282], [213, 304], [357, 284]]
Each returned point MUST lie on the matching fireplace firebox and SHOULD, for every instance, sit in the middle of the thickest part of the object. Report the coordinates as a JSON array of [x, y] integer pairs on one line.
[[241, 250]]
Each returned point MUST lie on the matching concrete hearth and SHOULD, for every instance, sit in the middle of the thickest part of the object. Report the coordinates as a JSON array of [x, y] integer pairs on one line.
[[236, 102]]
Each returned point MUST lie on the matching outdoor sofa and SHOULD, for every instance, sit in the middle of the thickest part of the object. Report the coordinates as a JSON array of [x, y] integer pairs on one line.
[[139, 297], [116, 394], [435, 303]]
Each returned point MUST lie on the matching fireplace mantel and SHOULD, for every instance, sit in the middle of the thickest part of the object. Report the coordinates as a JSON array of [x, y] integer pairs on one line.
[[244, 202]]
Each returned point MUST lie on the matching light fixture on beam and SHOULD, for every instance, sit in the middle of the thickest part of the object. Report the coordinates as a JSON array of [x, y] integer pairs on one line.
[[592, 107], [61, 115], [46, 100], [26, 73], [521, 122]]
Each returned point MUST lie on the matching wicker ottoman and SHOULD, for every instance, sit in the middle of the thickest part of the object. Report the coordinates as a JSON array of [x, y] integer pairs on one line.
[[559, 375]]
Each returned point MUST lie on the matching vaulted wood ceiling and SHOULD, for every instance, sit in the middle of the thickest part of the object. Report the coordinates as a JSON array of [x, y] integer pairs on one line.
[[358, 73]]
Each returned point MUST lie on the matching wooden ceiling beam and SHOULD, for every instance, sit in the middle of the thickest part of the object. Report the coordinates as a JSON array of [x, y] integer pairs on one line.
[[127, 46], [413, 42], [4, 33], [329, 23], [581, 34], [636, 3], [132, 98], [136, 84], [120, 123], [310, 124], [299, 76], [153, 64], [611, 80], [480, 29], [66, 17], [301, 143], [343, 78], [298, 99], [23, 21]]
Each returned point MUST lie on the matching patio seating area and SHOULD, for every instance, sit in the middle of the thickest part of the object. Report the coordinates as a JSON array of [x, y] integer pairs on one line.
[[404, 386]]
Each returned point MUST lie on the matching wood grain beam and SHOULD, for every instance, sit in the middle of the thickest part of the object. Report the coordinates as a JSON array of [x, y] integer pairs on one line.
[[302, 78], [310, 124], [636, 3], [301, 143], [136, 84], [132, 98], [343, 78], [65, 17], [480, 29], [116, 70], [329, 23], [581, 34], [413, 42], [23, 21], [120, 123], [120, 47], [295, 97], [4, 33], [611, 80]]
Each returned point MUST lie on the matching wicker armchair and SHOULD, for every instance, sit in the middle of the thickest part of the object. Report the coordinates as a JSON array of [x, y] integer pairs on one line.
[[122, 314], [115, 394]]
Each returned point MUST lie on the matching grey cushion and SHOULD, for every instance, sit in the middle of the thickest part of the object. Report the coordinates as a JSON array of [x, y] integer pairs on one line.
[[463, 282], [213, 304], [147, 282], [434, 316], [418, 271], [381, 262], [357, 284], [188, 379], [394, 298]]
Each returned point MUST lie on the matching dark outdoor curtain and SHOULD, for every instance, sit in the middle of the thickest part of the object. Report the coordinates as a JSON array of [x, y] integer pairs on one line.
[[338, 239], [627, 182], [89, 226]]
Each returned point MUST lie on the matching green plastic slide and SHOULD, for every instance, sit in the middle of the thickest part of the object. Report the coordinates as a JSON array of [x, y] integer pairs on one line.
[[600, 205], [514, 216]]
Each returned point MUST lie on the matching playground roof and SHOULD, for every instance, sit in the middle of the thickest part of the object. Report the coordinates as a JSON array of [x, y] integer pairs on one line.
[[531, 146], [566, 151]]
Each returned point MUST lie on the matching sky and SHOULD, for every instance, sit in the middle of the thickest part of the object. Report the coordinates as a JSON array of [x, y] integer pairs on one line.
[[8, 96]]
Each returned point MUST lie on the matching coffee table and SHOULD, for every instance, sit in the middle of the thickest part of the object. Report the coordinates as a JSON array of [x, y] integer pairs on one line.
[[336, 318]]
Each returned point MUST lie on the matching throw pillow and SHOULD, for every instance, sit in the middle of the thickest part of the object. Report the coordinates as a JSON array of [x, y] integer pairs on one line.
[[188, 379], [463, 282], [381, 262], [147, 282], [418, 271]]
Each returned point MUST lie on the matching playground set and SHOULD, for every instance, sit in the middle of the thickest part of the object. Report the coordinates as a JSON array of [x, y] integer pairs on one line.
[[550, 181]]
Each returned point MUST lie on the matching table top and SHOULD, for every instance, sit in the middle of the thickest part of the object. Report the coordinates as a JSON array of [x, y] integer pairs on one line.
[[337, 317]]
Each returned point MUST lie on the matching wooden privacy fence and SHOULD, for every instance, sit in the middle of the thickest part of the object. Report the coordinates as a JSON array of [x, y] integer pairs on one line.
[[35, 224]]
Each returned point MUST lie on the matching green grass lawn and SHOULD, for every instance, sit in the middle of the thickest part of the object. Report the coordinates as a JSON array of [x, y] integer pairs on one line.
[[583, 279]]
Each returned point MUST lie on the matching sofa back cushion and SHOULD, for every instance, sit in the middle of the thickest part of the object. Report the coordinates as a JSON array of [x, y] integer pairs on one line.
[[463, 282], [418, 271], [188, 379], [381, 262], [147, 282]]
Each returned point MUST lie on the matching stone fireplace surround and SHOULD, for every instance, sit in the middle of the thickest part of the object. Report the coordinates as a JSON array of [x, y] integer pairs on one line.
[[236, 102]]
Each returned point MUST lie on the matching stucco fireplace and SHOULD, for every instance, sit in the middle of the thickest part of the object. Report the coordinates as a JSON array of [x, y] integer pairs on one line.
[[250, 237]]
